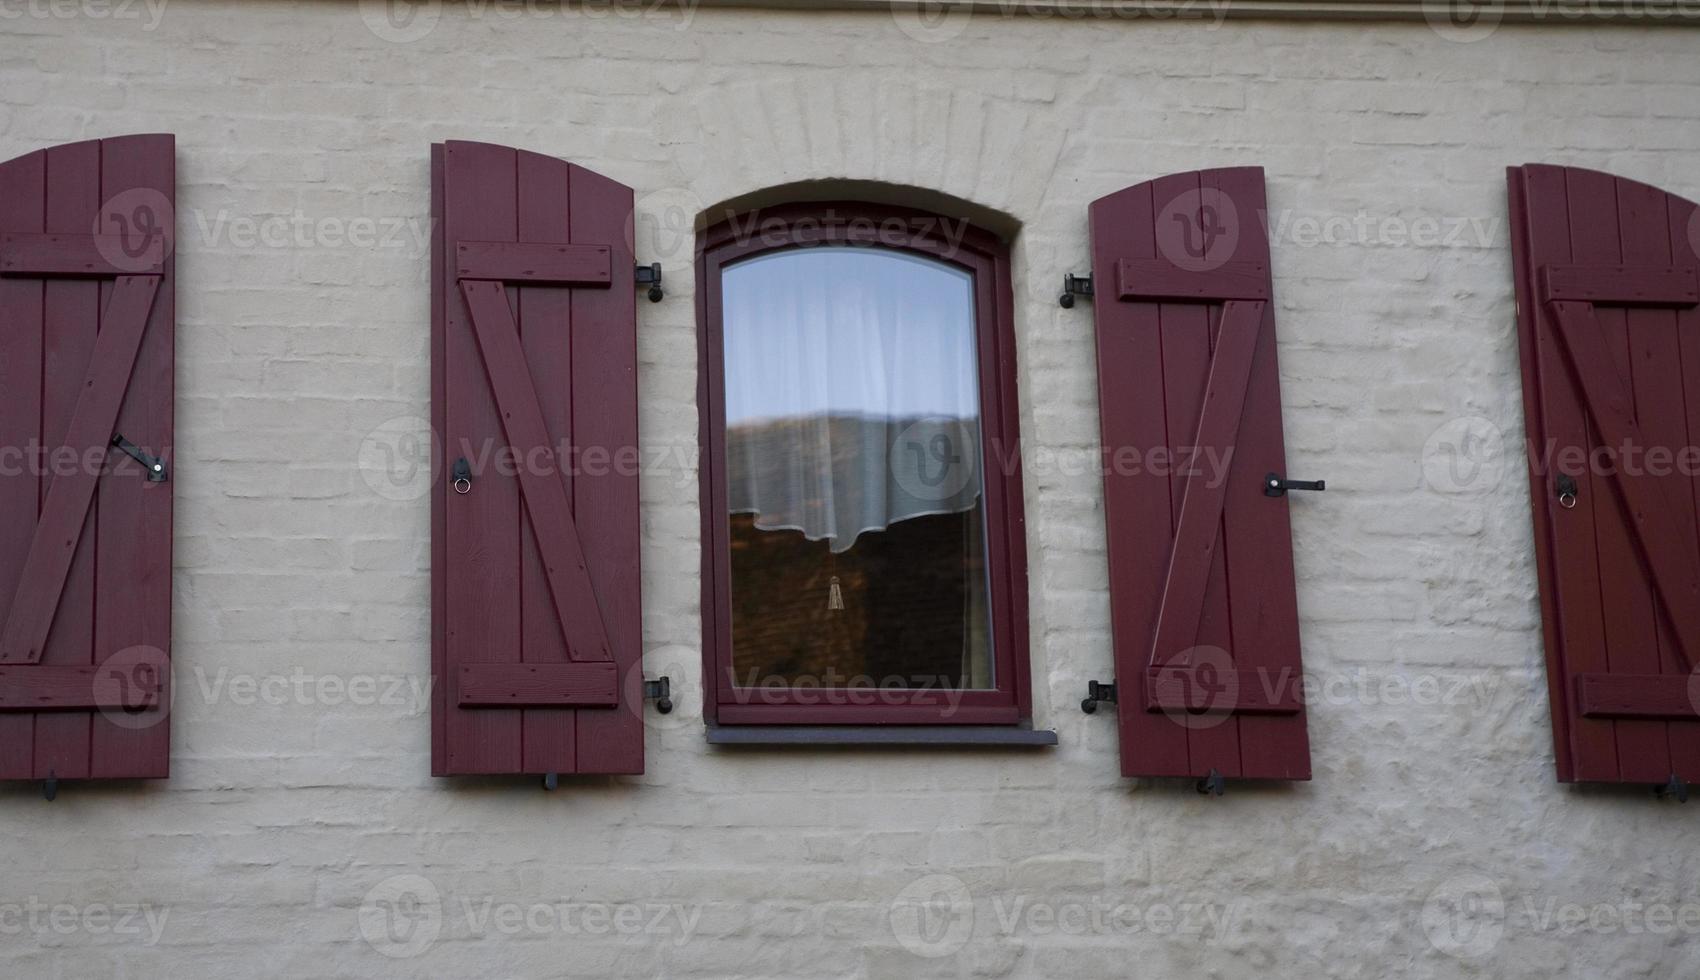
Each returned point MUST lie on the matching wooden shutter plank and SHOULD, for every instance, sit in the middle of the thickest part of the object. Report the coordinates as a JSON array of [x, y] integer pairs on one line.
[[1137, 514], [561, 685], [132, 613], [23, 183], [443, 457], [71, 325], [535, 260], [545, 499], [605, 421], [1257, 534], [67, 504], [1211, 742], [546, 332], [482, 528], [71, 254], [1625, 597], [1654, 364], [1586, 748], [1681, 217]]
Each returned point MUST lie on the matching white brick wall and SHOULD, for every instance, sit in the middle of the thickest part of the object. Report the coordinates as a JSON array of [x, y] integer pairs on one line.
[[281, 818]]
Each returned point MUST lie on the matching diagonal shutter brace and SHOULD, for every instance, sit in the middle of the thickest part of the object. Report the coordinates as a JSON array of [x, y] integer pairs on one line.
[[155, 467]]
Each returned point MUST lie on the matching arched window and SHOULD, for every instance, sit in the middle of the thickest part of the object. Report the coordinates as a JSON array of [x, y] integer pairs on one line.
[[863, 552]]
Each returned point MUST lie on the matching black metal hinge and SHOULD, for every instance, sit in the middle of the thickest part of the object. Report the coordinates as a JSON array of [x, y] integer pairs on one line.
[[1274, 485], [1096, 693], [1073, 286], [155, 468], [650, 275], [660, 691]]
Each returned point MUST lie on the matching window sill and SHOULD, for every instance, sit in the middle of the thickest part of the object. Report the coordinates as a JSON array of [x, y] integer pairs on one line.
[[991, 736]]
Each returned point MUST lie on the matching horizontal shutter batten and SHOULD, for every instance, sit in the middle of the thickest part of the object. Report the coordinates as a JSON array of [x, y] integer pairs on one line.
[[1147, 280], [1622, 285], [535, 264], [52, 255], [538, 685]]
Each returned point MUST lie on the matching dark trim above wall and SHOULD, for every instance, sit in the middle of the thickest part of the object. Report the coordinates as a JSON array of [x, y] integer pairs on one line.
[[933, 13]]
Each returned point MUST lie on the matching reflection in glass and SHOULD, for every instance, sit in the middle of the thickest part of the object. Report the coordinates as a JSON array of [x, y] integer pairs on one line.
[[853, 471]]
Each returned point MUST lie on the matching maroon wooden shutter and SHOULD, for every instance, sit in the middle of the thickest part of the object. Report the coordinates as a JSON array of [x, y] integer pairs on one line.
[[537, 644], [86, 324], [1201, 571], [1608, 296]]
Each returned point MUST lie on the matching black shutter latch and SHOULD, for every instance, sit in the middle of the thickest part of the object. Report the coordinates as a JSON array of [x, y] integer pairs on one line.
[[1097, 692], [155, 467]]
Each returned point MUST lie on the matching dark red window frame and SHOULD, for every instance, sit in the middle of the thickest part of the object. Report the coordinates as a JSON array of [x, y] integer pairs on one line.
[[986, 258]]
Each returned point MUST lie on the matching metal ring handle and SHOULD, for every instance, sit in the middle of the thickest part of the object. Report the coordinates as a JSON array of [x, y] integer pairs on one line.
[[463, 485], [1567, 500]]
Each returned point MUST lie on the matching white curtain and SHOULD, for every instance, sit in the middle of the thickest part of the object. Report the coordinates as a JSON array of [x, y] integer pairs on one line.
[[852, 396]]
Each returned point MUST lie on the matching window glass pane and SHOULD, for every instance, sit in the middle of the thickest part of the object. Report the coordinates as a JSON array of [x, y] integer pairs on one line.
[[853, 472]]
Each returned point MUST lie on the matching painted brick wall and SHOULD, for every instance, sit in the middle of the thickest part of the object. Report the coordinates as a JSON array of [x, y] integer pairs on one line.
[[301, 834]]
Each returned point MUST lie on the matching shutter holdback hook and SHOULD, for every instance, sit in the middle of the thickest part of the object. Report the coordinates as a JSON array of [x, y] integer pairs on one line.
[[1097, 692], [1073, 286], [650, 275]]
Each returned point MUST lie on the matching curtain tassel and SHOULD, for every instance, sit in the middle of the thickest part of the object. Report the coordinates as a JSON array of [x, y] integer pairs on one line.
[[834, 596]]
